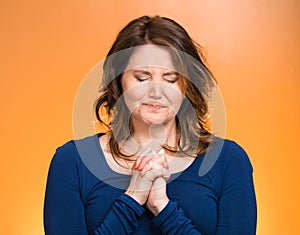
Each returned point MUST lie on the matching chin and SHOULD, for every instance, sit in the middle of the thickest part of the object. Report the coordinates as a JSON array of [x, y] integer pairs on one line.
[[155, 121], [150, 118]]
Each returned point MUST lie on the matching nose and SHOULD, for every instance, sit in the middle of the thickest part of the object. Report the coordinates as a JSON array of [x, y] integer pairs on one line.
[[154, 90]]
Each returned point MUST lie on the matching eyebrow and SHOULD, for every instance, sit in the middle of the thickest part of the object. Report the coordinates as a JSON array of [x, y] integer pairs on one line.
[[142, 71], [149, 73], [171, 73]]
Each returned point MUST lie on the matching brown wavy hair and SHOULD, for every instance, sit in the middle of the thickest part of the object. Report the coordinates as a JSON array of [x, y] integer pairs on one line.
[[193, 128]]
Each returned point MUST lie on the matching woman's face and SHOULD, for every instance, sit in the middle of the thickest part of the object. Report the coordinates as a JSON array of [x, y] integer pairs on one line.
[[151, 86]]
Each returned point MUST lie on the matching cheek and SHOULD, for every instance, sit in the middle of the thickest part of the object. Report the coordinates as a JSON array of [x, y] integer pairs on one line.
[[177, 103], [134, 96], [175, 98]]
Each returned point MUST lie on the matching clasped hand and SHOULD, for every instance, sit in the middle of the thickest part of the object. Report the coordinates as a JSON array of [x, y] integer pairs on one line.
[[148, 181]]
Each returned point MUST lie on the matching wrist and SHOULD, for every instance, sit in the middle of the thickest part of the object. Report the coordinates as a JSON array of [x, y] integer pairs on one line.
[[159, 206], [134, 197]]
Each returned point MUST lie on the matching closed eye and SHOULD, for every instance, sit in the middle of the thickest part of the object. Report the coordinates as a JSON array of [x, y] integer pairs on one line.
[[171, 77], [141, 75]]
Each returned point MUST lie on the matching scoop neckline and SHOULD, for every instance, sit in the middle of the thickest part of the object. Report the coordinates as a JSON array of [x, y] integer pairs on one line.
[[100, 150]]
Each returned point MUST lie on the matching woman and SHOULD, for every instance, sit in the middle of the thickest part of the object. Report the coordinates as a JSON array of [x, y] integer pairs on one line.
[[142, 176]]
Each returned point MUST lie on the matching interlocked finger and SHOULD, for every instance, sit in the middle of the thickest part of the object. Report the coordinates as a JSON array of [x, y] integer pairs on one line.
[[155, 173], [158, 157]]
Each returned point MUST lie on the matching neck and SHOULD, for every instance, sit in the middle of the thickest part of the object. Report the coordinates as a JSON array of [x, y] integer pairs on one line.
[[154, 135]]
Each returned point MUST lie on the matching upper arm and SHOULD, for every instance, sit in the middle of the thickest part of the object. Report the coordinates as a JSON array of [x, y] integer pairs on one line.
[[237, 203], [63, 207]]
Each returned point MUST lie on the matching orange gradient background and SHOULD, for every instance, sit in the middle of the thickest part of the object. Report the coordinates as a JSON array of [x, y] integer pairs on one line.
[[47, 48]]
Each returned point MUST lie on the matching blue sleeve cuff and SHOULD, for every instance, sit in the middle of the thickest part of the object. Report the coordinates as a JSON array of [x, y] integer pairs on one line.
[[122, 218], [167, 213], [131, 203]]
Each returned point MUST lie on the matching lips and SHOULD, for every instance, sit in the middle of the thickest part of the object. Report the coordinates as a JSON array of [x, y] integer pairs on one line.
[[154, 106]]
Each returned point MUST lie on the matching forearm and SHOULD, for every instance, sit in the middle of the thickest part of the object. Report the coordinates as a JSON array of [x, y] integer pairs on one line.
[[122, 218], [171, 220]]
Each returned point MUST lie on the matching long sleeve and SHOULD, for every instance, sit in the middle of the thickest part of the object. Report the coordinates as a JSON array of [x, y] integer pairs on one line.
[[237, 203], [64, 210], [122, 218], [172, 220]]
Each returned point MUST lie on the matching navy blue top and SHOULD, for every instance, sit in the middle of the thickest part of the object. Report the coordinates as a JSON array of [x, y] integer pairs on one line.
[[85, 196]]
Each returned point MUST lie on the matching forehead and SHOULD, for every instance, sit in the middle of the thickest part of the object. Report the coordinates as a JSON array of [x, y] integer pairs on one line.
[[150, 56]]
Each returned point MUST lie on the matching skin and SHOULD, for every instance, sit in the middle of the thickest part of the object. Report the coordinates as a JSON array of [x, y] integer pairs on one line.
[[153, 95], [157, 198], [152, 92], [149, 187]]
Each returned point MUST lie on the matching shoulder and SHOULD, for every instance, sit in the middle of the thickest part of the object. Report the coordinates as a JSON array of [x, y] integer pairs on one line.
[[66, 148], [65, 161], [224, 155], [234, 155], [70, 153], [233, 162]]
